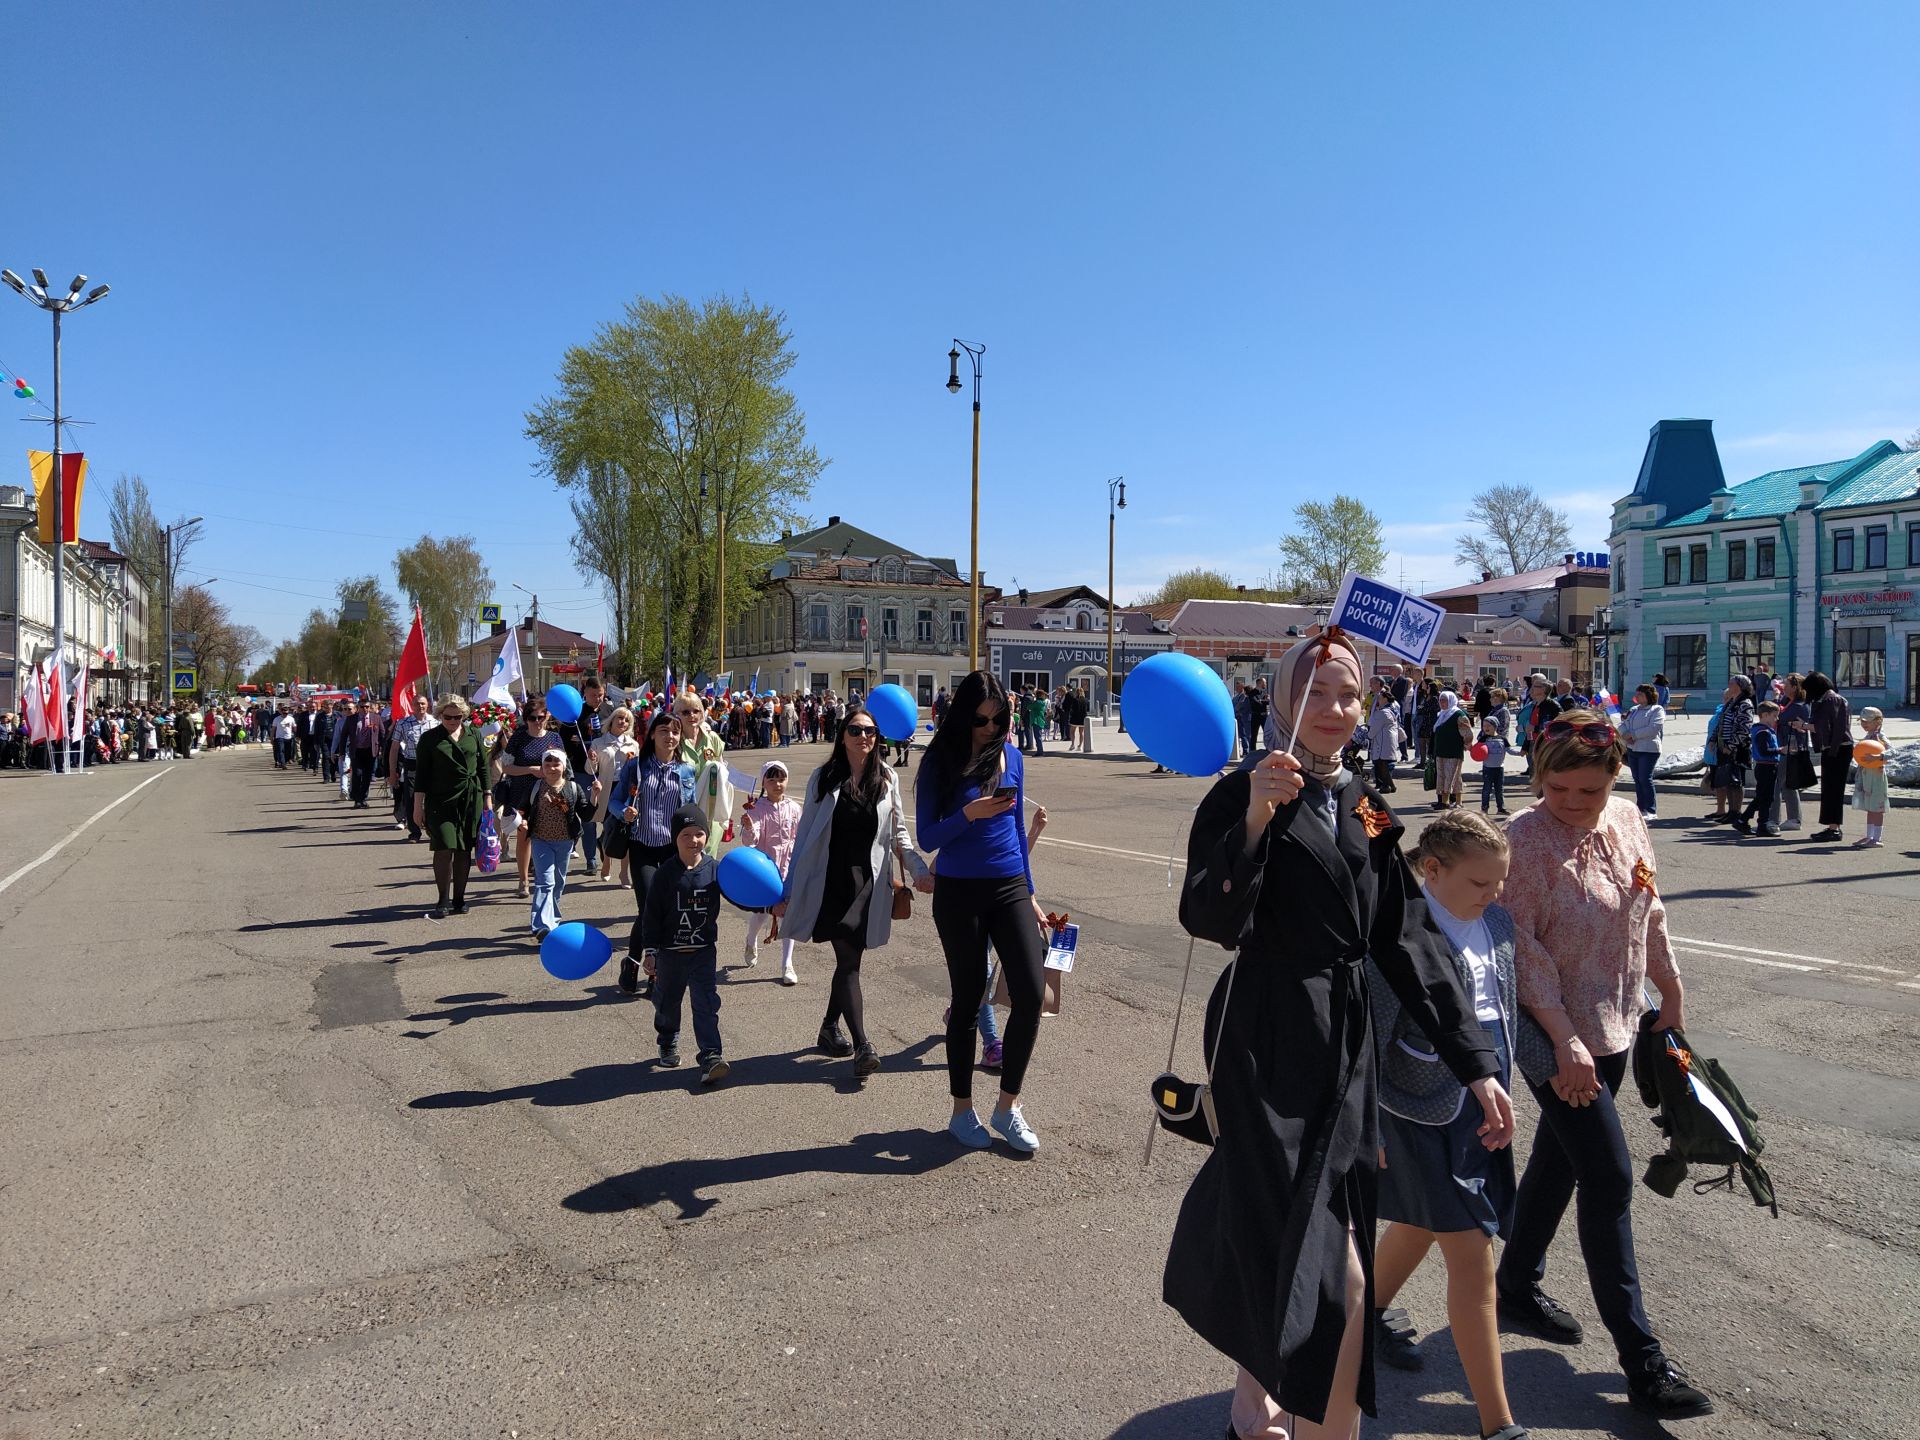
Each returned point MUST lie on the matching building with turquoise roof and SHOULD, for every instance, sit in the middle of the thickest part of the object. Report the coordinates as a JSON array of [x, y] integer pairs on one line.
[[1813, 568]]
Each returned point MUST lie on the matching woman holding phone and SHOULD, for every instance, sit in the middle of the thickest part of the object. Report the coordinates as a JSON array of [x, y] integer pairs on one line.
[[968, 802]]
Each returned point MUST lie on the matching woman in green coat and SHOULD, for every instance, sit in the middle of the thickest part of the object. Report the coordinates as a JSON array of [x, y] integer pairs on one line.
[[450, 795]]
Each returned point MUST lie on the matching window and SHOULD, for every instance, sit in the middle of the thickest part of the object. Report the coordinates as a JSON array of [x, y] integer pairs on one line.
[[957, 626], [1696, 564], [923, 627], [1619, 574], [1737, 560], [856, 623], [817, 623], [923, 690], [890, 626], [1860, 657], [1442, 673], [1686, 661], [1876, 547], [1913, 545], [1763, 559], [1843, 550], [817, 681], [1673, 567], [1041, 680], [1749, 651]]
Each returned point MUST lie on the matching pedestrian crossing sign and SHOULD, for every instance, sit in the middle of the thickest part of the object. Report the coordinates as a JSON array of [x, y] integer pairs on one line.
[[489, 614], [185, 682]]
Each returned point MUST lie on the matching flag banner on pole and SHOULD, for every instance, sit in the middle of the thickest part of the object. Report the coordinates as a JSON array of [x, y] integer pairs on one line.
[[80, 679], [506, 670], [412, 669], [73, 479], [33, 702], [53, 700], [1605, 699], [1375, 612]]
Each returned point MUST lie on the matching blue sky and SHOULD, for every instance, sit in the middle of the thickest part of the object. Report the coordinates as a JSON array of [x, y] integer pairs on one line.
[[1241, 254]]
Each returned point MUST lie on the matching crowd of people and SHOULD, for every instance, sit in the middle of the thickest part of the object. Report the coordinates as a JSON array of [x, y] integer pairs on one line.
[[118, 733]]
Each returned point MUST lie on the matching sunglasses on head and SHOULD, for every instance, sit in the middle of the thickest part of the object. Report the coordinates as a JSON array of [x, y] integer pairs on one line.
[[862, 730], [1596, 733]]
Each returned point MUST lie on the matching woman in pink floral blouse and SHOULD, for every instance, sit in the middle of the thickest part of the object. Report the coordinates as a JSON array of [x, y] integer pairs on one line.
[[1589, 929]]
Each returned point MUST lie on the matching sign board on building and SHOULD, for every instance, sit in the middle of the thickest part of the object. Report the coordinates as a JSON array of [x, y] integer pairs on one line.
[[472, 678], [185, 682], [1373, 612], [490, 615], [1883, 599]]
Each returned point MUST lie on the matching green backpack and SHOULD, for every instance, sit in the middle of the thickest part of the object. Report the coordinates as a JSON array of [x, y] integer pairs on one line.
[[1701, 1112]]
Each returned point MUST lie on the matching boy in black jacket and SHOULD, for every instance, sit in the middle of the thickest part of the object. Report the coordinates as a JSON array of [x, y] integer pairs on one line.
[[677, 937]]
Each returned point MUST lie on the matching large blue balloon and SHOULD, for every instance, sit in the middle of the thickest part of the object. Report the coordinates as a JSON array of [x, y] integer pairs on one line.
[[574, 951], [750, 879], [1179, 713], [895, 711], [564, 704]]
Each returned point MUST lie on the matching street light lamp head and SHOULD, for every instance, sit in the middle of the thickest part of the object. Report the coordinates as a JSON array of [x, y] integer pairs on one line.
[[96, 293], [1123, 494], [953, 370], [40, 277], [19, 286], [79, 283]]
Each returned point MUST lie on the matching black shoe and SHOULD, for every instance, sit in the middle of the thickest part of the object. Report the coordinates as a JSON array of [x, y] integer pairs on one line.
[[1508, 1432], [1825, 836], [866, 1060], [646, 989], [830, 1041], [669, 1054], [1740, 823], [1395, 1341], [629, 975], [540, 935], [1662, 1390], [715, 1070], [439, 912], [1540, 1315], [459, 908], [1770, 831]]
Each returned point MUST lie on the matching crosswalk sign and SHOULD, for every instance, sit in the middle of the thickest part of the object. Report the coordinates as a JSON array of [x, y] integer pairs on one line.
[[185, 682], [489, 614]]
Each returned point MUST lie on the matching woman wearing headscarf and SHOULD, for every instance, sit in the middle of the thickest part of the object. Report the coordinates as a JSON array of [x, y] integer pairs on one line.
[[1452, 734], [1296, 865]]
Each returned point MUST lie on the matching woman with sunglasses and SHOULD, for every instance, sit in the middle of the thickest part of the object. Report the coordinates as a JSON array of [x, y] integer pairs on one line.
[[449, 796], [1589, 928], [649, 789], [968, 802], [839, 886]]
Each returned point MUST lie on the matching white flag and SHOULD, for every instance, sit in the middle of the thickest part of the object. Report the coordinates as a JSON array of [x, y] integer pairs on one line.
[[80, 679], [506, 670]]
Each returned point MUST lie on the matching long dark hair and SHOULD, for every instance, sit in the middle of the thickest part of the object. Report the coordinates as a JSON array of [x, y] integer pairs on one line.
[[839, 767], [950, 756], [1816, 686]]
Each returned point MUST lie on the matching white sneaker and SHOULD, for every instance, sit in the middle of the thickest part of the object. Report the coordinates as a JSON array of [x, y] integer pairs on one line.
[[1014, 1129], [752, 955], [787, 977], [1789, 826]]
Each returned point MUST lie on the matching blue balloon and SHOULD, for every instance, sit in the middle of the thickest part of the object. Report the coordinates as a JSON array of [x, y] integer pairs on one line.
[[895, 711], [564, 704], [749, 878], [573, 951], [1179, 713]]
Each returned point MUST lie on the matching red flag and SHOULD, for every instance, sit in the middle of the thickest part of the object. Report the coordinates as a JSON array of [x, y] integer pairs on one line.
[[53, 701], [413, 667], [33, 705], [600, 655]]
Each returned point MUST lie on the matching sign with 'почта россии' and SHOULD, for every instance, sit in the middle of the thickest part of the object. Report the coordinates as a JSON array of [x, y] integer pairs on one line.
[[1378, 614]]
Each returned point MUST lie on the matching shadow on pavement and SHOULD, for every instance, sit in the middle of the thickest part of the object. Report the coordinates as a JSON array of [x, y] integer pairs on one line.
[[892, 1152], [1545, 1390], [1200, 1418], [468, 1007]]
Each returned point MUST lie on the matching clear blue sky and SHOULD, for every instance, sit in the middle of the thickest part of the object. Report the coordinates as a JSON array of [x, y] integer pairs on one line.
[[1241, 254]]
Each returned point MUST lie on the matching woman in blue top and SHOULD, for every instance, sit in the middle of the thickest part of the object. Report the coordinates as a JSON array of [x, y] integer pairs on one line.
[[968, 803], [650, 787]]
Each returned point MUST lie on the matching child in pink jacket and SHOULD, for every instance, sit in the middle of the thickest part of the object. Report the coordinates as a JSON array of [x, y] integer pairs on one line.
[[768, 824]]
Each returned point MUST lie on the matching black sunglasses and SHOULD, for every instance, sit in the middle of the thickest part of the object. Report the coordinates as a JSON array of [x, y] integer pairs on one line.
[[981, 721], [860, 730]]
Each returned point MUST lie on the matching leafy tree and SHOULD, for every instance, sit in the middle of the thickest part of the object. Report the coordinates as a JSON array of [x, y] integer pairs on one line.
[[219, 648], [1518, 531], [1913, 442], [317, 647], [365, 651], [1332, 538], [1196, 584], [448, 580], [685, 406]]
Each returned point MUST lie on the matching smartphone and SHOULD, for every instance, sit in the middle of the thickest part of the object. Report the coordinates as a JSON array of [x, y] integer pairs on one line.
[[1006, 792]]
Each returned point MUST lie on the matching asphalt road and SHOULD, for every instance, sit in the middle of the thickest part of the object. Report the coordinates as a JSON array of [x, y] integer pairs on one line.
[[282, 1158]]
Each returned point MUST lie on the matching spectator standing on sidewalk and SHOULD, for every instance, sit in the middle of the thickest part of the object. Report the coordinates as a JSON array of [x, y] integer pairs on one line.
[[1831, 731]]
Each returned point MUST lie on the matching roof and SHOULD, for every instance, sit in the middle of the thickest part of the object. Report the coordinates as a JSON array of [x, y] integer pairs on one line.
[[1061, 594], [554, 640], [1032, 617], [1541, 579], [1240, 619], [1681, 465], [100, 550], [1879, 473], [838, 538], [859, 572]]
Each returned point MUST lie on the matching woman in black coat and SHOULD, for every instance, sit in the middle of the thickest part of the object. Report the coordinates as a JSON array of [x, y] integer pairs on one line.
[[1296, 865], [1832, 737]]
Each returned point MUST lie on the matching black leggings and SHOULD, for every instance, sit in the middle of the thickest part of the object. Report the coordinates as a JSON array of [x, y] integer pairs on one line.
[[969, 913], [844, 1000], [642, 862], [1835, 760]]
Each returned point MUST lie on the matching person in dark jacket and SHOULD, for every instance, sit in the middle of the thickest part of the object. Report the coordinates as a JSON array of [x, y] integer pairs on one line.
[[1296, 866], [680, 931], [450, 795], [1832, 734]]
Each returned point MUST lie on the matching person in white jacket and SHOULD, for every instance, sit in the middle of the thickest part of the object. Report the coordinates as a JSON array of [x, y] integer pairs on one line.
[[1644, 728], [1383, 736]]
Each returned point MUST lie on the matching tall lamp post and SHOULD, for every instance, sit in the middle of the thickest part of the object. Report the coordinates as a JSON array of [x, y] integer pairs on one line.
[[974, 352], [720, 584], [1116, 501], [57, 307]]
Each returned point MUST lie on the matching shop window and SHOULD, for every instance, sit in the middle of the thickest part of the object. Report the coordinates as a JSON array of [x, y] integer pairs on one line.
[[1913, 545], [1041, 680], [1876, 547], [1860, 657], [1763, 559], [1749, 651], [1696, 564], [1672, 576], [1736, 560], [1685, 661], [1843, 550]]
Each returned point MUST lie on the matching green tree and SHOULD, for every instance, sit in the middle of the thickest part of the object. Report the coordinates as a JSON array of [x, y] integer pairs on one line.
[[1332, 538], [686, 406], [1518, 531], [448, 580], [318, 649], [1196, 584], [364, 651]]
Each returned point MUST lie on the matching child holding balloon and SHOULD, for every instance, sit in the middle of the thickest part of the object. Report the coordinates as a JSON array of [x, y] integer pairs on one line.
[[768, 823]]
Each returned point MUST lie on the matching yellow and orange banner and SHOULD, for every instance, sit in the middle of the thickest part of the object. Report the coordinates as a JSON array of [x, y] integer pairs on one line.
[[73, 479]]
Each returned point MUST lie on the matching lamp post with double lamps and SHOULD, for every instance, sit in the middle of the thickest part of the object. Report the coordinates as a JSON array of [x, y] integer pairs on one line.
[[39, 294], [1116, 501], [974, 352]]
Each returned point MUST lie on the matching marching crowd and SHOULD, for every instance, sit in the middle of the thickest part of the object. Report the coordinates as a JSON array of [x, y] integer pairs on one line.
[[131, 732]]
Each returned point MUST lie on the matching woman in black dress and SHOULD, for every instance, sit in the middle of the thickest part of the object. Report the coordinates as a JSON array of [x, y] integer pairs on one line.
[[1296, 865]]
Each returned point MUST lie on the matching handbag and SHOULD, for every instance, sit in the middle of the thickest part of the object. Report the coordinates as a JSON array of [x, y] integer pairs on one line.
[[1430, 776], [1796, 773], [902, 894], [487, 847], [615, 837]]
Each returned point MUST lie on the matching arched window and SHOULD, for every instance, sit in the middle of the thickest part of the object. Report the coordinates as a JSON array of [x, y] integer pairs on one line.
[[1083, 621]]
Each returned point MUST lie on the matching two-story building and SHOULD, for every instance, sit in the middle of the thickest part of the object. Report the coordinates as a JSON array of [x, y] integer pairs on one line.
[[1049, 638], [1811, 568]]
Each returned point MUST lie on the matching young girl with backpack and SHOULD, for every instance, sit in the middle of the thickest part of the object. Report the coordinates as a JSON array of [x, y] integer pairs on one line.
[[1445, 1179]]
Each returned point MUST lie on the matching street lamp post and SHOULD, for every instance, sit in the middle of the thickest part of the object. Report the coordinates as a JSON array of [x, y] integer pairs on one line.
[[1116, 501], [974, 352], [57, 308], [166, 565], [720, 584], [534, 614]]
